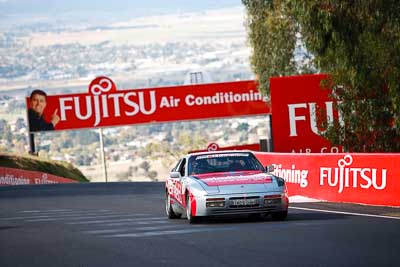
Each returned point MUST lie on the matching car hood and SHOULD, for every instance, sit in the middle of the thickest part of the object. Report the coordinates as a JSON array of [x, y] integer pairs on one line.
[[237, 182]]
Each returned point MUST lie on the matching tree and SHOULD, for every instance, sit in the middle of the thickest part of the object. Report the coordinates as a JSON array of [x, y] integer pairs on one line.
[[272, 36], [169, 153], [87, 137], [356, 42], [152, 175], [145, 166]]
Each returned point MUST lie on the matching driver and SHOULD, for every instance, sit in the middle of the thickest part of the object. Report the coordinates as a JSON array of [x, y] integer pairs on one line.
[[200, 166]]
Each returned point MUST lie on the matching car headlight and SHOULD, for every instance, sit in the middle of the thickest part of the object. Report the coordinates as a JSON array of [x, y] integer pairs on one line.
[[215, 202], [273, 199]]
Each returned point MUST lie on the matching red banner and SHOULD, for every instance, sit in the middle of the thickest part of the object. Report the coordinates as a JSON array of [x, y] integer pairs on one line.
[[10, 176], [105, 106], [357, 178], [296, 102]]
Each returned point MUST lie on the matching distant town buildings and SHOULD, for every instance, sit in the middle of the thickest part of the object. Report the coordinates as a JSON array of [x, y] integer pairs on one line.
[[62, 68]]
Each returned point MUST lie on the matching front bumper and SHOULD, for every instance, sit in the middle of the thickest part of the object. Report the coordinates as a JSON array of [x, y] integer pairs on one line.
[[263, 205]]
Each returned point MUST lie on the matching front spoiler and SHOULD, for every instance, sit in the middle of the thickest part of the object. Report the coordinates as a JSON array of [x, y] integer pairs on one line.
[[239, 211], [202, 210], [262, 208]]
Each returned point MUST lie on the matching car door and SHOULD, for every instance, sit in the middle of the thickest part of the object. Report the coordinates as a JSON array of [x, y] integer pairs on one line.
[[180, 183], [175, 183]]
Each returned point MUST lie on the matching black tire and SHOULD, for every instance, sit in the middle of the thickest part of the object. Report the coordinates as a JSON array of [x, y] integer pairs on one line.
[[168, 208], [279, 216], [192, 219]]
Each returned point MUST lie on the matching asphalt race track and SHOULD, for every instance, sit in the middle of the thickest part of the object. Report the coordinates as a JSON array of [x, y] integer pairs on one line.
[[123, 224]]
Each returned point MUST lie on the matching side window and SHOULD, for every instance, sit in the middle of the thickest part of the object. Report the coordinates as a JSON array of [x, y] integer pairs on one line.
[[182, 167], [257, 163], [175, 169]]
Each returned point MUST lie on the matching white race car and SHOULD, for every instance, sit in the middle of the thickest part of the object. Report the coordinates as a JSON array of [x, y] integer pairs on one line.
[[224, 183]]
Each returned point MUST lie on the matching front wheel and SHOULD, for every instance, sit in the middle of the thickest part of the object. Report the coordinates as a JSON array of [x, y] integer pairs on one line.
[[189, 216], [168, 208]]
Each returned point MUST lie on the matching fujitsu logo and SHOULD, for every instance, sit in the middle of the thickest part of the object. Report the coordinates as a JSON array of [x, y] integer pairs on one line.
[[344, 176], [105, 101], [312, 112]]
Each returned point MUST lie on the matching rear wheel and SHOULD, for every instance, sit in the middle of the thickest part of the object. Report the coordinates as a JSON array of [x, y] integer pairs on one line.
[[168, 208], [279, 216]]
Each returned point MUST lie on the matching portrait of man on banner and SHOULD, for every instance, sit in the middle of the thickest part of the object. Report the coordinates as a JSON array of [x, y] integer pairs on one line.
[[37, 106]]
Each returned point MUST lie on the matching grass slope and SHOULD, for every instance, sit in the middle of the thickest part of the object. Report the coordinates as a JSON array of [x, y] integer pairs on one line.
[[32, 163]]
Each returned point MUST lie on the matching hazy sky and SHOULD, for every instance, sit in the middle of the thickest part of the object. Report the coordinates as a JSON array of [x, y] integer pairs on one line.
[[61, 6]]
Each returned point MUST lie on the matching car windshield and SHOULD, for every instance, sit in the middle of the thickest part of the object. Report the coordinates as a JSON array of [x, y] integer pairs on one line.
[[223, 162]]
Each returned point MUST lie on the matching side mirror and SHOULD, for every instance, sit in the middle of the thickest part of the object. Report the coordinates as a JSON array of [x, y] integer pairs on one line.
[[270, 168], [175, 174]]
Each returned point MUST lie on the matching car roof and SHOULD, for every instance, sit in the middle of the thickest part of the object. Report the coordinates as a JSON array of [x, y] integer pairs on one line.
[[219, 152]]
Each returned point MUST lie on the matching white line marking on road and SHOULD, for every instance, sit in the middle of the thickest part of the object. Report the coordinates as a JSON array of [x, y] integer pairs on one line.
[[348, 213], [151, 228], [143, 222], [41, 211], [63, 211], [121, 230], [152, 222], [117, 220], [72, 216], [79, 218], [56, 217], [169, 232]]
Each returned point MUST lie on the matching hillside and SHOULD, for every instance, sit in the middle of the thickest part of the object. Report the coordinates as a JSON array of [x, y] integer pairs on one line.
[[33, 163]]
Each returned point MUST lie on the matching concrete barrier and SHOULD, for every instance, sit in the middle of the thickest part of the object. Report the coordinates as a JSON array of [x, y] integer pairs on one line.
[[372, 179], [11, 176]]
